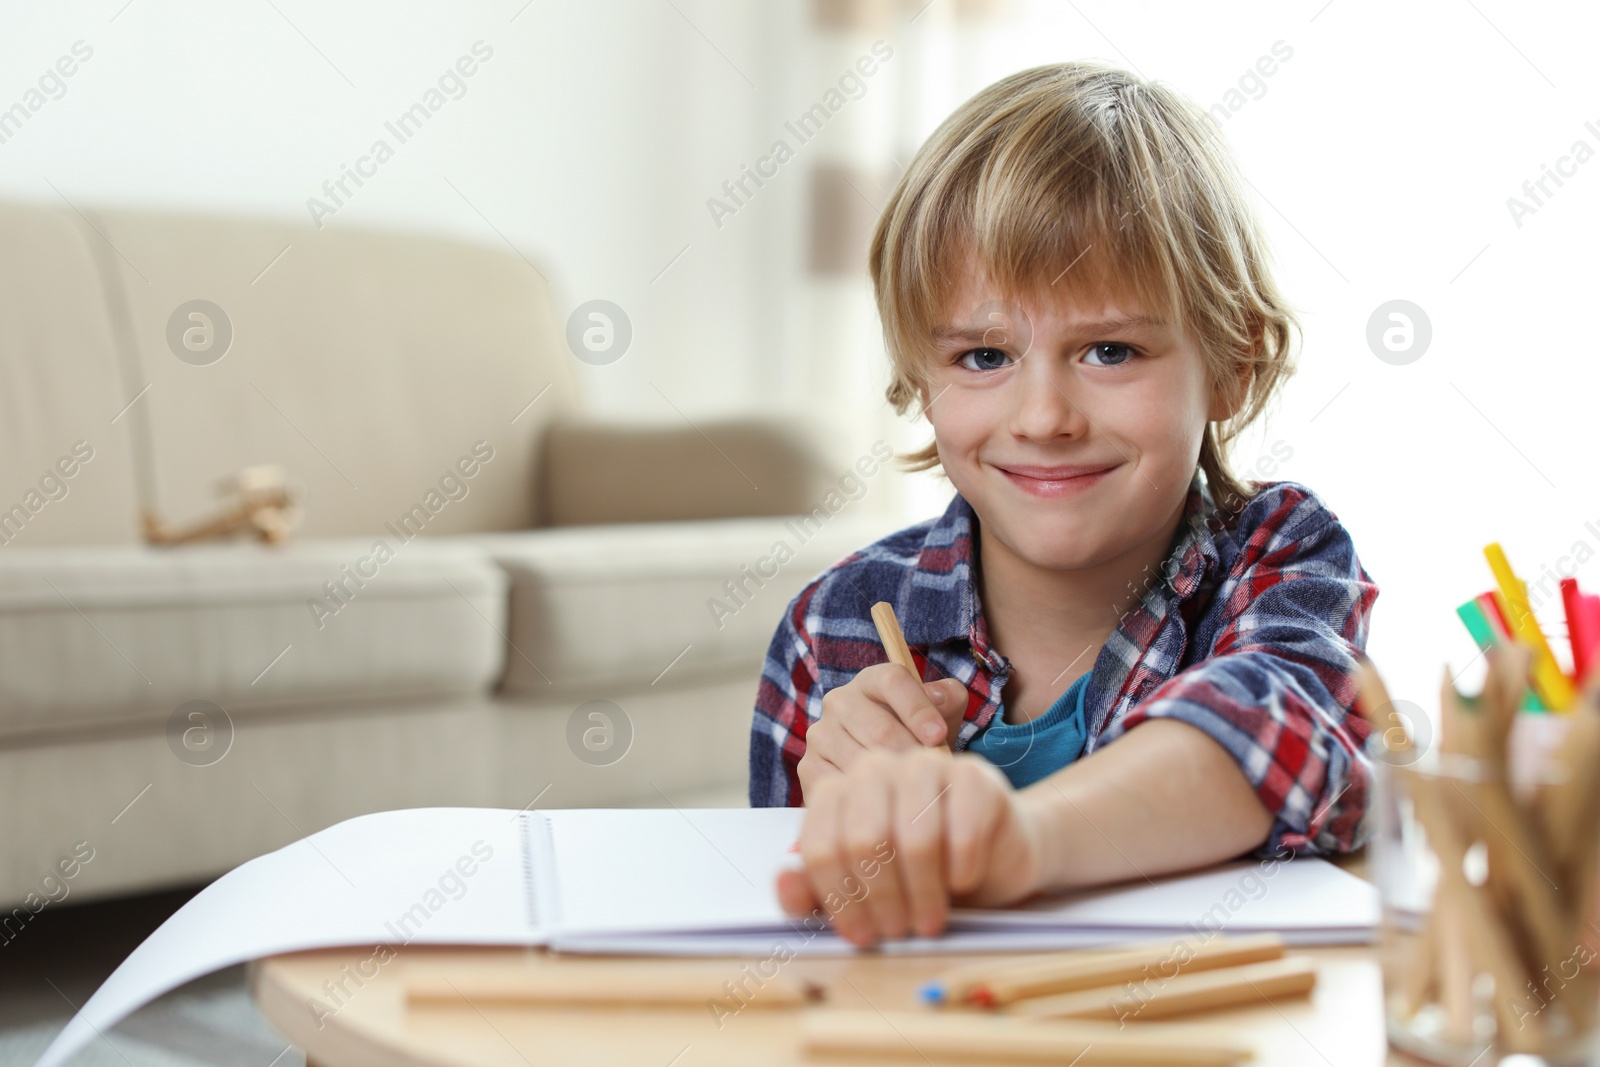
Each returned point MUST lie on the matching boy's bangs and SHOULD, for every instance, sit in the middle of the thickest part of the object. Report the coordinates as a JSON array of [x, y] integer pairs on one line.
[[1040, 237]]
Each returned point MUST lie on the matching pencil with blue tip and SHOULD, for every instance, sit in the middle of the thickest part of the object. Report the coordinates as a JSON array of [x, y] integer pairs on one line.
[[996, 985]]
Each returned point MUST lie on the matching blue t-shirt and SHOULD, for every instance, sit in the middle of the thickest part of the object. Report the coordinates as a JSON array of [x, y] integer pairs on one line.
[[1029, 751]]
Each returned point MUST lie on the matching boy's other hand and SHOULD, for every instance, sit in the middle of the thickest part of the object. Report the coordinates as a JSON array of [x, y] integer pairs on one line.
[[892, 843], [882, 708]]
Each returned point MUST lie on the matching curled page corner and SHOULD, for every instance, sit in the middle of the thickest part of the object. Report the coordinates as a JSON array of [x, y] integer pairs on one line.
[[415, 876]]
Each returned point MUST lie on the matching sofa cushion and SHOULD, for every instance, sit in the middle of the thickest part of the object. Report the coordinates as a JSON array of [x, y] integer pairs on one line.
[[65, 472], [369, 364], [604, 471], [601, 608], [130, 633]]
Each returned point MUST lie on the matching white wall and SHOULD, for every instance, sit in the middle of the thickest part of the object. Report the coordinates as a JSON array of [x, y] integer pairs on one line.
[[590, 140], [1383, 153]]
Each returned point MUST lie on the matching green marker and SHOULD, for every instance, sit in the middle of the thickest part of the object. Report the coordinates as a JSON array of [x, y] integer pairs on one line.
[[1484, 634]]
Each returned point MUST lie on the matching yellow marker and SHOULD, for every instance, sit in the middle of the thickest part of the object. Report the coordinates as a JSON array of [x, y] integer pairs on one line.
[[1553, 687]]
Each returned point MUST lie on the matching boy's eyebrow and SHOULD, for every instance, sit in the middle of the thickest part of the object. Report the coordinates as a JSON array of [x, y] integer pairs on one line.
[[1100, 326]]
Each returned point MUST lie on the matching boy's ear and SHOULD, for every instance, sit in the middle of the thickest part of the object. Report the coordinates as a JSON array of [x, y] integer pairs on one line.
[[1229, 391]]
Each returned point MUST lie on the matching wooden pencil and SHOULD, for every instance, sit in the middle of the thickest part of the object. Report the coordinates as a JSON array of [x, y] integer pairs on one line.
[[1568, 812], [1503, 826], [1488, 943], [686, 986], [1081, 968], [894, 640], [1158, 961], [997, 1039], [1185, 994], [895, 647], [1421, 977], [1372, 697], [1453, 967], [1565, 808], [955, 984]]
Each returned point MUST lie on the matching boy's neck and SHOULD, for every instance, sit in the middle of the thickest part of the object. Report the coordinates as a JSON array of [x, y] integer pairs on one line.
[[1036, 614]]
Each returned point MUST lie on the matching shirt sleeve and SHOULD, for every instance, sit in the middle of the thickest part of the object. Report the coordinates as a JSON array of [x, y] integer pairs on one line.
[[1277, 686], [783, 711]]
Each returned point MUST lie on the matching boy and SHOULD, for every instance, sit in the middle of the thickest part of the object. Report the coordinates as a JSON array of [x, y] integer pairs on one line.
[[1076, 295]]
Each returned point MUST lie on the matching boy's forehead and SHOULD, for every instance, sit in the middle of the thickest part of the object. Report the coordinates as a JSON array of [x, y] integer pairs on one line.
[[975, 300]]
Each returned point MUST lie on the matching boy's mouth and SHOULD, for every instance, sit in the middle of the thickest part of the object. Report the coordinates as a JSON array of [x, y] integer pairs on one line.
[[1058, 481]]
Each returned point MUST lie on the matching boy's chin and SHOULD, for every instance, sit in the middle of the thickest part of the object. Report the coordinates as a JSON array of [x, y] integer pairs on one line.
[[1057, 549]]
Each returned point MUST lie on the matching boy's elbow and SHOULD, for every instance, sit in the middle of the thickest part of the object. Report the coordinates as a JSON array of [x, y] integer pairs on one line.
[[1342, 821]]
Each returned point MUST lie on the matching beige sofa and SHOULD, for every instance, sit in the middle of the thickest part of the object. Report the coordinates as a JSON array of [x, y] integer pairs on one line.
[[573, 564]]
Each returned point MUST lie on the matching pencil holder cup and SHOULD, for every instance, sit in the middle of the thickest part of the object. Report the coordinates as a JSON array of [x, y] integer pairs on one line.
[[1488, 948]]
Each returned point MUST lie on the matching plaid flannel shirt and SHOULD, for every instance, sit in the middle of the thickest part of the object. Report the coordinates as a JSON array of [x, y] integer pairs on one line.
[[1249, 633]]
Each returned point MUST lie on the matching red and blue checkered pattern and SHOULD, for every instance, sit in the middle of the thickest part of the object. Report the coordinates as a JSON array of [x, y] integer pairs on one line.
[[1252, 640]]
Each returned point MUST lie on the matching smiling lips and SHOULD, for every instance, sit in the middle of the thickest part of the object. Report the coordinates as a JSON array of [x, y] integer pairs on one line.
[[1060, 481]]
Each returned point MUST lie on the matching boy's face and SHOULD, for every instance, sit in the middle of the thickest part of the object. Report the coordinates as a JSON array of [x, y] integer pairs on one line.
[[1072, 425]]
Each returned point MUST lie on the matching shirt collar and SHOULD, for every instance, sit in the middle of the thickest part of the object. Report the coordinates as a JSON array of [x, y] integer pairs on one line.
[[1195, 547], [942, 604]]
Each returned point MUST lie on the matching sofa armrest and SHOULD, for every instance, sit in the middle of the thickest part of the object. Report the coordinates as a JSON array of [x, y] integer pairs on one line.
[[607, 472]]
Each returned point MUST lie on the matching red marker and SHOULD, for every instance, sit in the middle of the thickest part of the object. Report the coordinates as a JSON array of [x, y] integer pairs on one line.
[[1583, 630], [1572, 605]]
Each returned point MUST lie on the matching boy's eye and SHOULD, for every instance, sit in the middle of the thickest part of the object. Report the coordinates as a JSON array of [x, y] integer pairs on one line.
[[984, 359], [1107, 354]]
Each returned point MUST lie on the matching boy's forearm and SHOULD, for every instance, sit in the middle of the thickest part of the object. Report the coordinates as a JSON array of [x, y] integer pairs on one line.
[[1164, 797]]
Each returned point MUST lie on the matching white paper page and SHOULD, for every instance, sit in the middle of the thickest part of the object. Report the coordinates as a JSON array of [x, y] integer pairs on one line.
[[393, 878], [1240, 897], [631, 871], [758, 945], [677, 869]]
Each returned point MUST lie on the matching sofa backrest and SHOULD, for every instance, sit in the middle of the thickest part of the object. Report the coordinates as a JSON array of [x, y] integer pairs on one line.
[[65, 473], [369, 364]]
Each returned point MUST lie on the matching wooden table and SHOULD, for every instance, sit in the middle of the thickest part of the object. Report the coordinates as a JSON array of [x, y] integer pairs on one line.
[[1340, 1026]]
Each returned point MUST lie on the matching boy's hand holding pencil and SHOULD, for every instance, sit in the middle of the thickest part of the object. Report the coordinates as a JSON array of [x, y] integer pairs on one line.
[[904, 827], [886, 706]]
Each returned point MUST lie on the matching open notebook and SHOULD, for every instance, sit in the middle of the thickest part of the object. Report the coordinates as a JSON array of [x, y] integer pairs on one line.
[[643, 881]]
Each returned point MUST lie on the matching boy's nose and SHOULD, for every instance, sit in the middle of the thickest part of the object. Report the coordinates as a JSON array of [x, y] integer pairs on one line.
[[1044, 406]]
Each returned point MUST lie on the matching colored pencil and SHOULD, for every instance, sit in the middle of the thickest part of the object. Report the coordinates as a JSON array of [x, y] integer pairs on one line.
[[990, 984], [688, 985], [1158, 961], [1183, 994], [1554, 688], [991, 1039]]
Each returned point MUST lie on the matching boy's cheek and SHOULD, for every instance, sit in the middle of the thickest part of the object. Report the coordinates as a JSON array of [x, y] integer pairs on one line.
[[1163, 435], [962, 422]]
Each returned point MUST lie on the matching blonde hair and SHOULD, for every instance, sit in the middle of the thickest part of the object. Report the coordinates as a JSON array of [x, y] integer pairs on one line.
[[1083, 169]]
